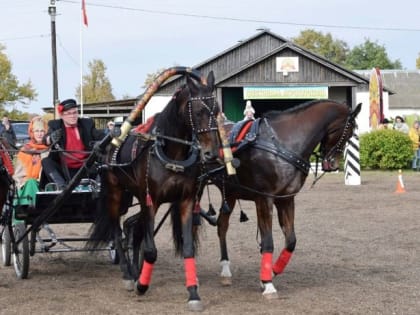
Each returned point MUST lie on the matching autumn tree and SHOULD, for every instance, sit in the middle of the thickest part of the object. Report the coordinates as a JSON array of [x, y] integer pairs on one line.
[[96, 85], [11, 91], [150, 77], [369, 55], [334, 50], [418, 62]]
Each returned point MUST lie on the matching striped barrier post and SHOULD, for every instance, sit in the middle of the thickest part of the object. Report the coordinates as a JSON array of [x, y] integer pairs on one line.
[[352, 161]]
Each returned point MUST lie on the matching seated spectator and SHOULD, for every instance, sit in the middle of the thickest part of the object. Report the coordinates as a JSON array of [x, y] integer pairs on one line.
[[74, 137], [28, 162], [400, 125], [384, 124], [109, 127], [7, 131]]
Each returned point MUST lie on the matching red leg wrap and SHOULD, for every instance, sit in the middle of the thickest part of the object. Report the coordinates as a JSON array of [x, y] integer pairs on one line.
[[146, 273], [266, 266], [190, 272], [282, 261]]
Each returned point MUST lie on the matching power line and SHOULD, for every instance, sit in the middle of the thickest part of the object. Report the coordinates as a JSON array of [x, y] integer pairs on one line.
[[24, 37], [223, 18]]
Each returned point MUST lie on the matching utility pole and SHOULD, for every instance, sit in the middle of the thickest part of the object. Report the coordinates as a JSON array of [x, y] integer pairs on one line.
[[52, 12]]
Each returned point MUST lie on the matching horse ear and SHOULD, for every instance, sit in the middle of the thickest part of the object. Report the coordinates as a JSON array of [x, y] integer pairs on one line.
[[357, 110], [210, 79]]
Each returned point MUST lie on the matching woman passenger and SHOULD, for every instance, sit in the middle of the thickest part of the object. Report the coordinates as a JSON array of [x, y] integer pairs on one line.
[[28, 161]]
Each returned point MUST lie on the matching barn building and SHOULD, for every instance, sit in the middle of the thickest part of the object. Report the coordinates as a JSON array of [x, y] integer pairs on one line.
[[274, 73]]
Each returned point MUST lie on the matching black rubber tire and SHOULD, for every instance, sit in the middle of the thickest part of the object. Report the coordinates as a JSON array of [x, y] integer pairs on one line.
[[21, 258], [6, 247]]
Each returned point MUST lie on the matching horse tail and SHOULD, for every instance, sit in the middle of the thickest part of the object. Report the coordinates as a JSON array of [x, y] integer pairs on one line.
[[105, 223], [177, 229]]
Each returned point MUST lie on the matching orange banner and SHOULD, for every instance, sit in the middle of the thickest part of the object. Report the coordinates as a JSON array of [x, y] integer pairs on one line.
[[375, 99]]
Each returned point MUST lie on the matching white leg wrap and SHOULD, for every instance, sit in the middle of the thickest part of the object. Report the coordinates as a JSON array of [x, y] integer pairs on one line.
[[225, 269], [269, 288]]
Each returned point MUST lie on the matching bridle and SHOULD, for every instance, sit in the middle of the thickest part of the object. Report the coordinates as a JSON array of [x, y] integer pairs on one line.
[[329, 158], [212, 123]]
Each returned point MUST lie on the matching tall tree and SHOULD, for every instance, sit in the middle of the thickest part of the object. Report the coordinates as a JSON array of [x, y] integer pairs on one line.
[[11, 91], [369, 55], [96, 85], [332, 49], [150, 77], [418, 62]]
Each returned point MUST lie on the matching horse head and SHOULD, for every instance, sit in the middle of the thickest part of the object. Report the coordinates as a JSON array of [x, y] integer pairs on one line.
[[200, 108], [338, 133]]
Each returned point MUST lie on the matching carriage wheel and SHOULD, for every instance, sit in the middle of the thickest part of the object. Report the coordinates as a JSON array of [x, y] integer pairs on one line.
[[21, 257], [6, 247], [135, 252]]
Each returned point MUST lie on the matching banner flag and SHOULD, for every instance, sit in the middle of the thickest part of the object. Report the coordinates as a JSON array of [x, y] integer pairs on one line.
[[85, 18]]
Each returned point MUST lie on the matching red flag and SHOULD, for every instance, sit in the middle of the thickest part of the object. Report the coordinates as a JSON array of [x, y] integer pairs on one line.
[[85, 18]]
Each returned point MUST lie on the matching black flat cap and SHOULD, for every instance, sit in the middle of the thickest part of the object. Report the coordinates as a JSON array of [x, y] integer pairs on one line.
[[66, 105]]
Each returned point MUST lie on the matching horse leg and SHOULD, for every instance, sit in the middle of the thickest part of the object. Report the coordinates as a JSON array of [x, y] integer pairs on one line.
[[150, 252], [286, 217], [222, 228], [108, 227], [264, 213], [188, 251]]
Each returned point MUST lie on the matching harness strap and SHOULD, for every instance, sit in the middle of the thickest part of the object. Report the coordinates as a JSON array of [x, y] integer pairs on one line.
[[174, 165], [284, 153]]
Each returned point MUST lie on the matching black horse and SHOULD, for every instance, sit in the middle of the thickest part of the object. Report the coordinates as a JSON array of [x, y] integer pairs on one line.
[[158, 167], [274, 164]]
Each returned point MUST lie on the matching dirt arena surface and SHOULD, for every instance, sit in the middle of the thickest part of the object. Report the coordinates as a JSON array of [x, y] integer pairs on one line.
[[358, 252]]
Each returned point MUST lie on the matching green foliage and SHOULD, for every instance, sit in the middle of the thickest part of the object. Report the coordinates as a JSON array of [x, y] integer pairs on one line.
[[11, 91], [96, 85], [385, 149], [365, 56], [369, 55], [150, 78], [324, 45], [418, 62]]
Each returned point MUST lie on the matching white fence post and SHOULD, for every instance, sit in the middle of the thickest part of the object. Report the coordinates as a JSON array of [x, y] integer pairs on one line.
[[352, 161]]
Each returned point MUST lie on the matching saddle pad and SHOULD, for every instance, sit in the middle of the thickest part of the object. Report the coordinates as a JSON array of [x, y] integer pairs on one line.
[[144, 128]]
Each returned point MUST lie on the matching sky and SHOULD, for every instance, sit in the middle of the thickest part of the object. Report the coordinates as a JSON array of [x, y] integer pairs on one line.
[[134, 38]]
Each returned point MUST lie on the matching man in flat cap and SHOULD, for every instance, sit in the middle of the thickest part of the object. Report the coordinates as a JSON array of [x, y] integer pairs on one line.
[[72, 134]]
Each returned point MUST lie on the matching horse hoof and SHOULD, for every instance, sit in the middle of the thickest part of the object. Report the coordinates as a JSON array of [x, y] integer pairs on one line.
[[128, 285], [226, 281], [269, 291], [195, 306], [140, 289]]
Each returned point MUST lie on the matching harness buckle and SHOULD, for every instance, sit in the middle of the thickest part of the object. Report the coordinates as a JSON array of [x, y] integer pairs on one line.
[[174, 167]]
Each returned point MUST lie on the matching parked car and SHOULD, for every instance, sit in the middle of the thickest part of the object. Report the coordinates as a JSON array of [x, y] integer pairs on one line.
[[21, 131]]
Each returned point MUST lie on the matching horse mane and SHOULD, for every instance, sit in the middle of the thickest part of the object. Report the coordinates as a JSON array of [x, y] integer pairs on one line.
[[168, 119], [297, 108]]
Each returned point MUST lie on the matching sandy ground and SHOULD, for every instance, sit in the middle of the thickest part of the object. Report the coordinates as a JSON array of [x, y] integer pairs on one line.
[[357, 253]]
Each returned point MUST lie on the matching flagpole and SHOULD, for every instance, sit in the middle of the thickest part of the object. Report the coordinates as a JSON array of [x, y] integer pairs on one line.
[[81, 58]]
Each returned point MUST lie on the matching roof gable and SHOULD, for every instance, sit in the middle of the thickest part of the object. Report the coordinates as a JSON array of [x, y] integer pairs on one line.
[[260, 51]]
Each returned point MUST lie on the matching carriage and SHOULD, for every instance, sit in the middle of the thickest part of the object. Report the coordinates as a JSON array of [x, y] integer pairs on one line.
[[28, 228], [164, 168]]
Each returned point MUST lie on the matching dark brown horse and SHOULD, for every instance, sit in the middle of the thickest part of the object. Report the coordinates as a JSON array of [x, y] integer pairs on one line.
[[159, 167], [274, 164]]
